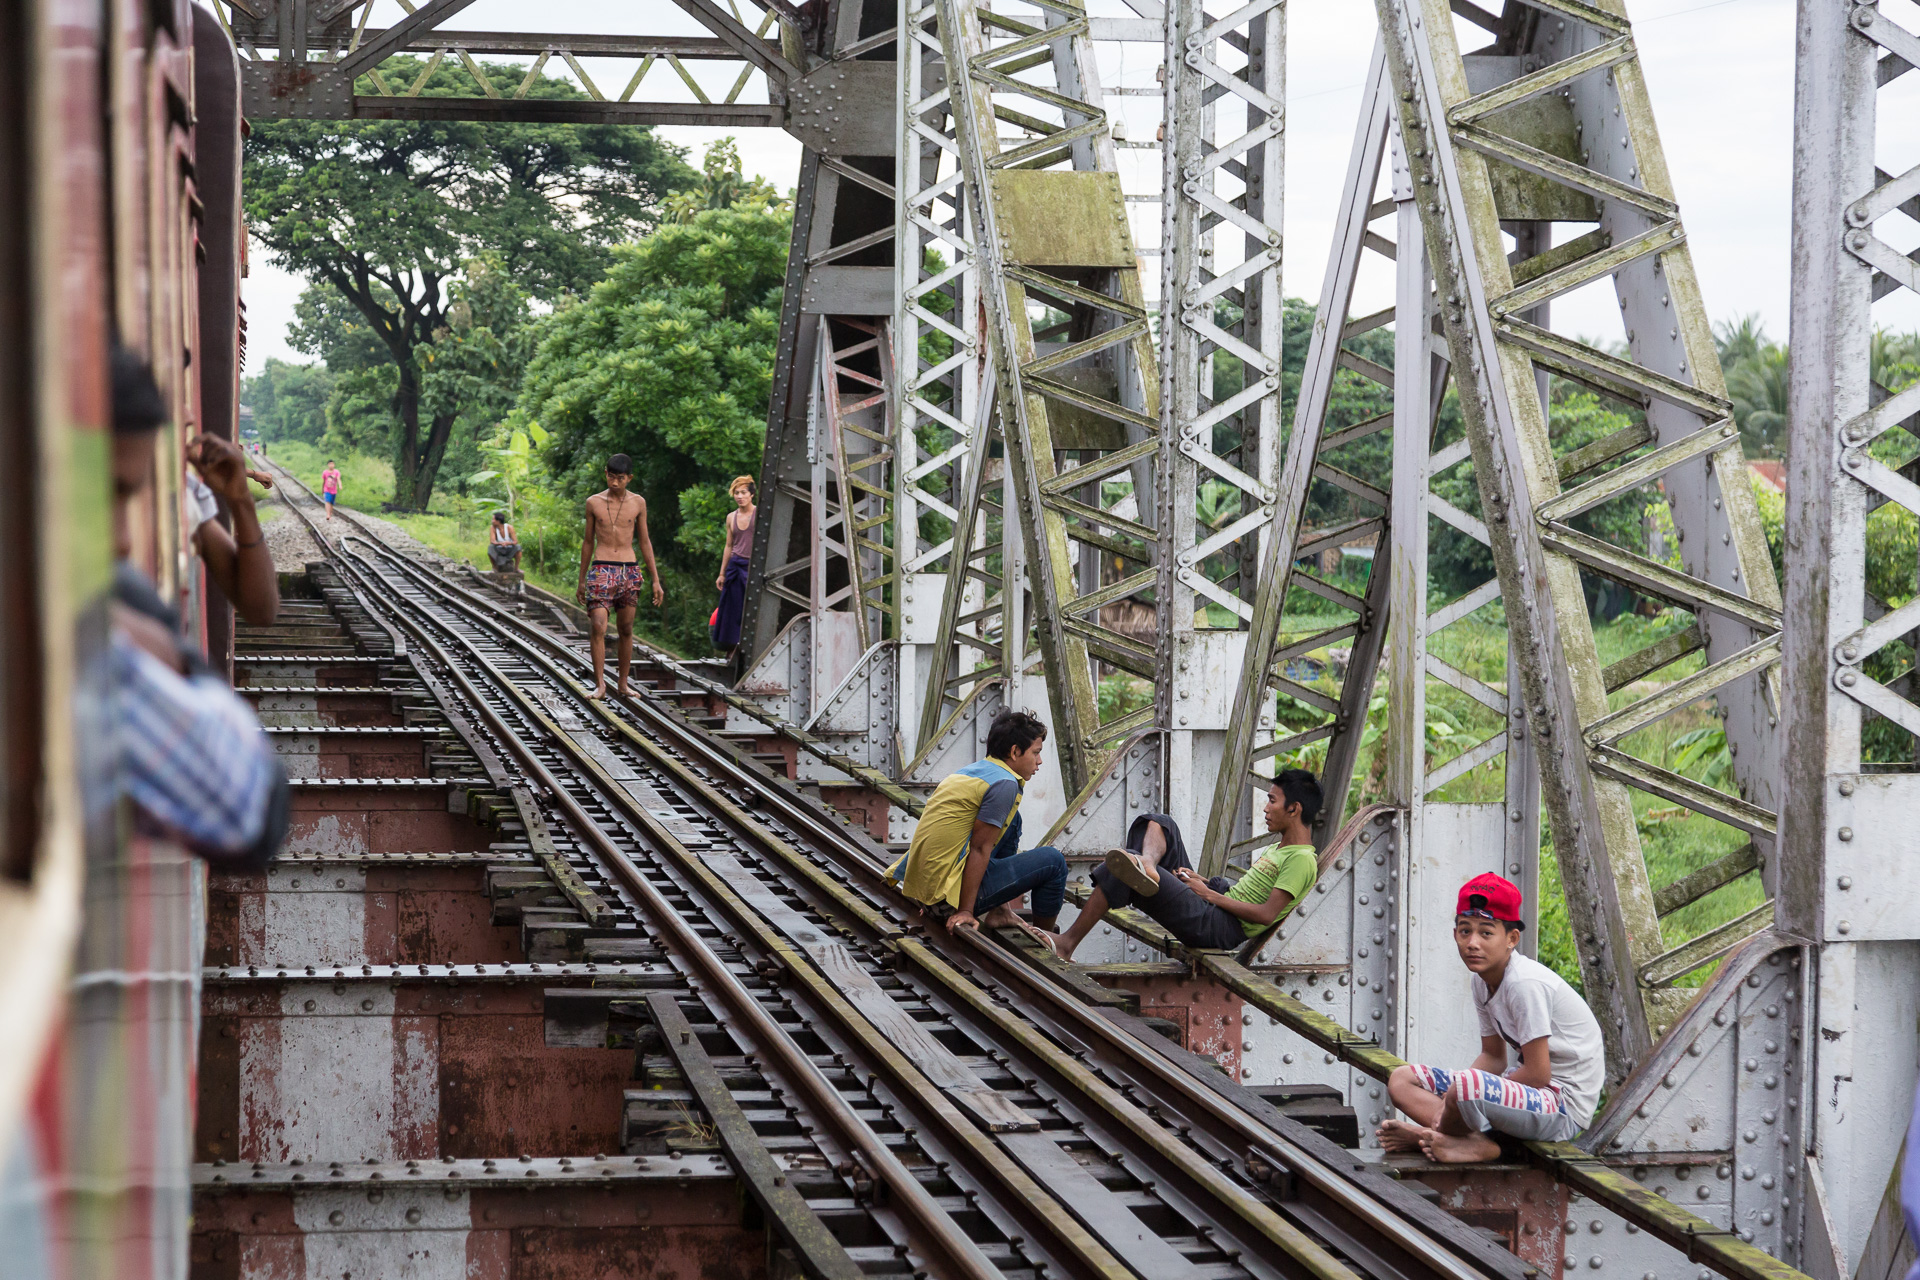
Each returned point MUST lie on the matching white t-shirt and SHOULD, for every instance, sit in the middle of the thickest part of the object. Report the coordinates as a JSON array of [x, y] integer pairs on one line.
[[1534, 1001], [202, 506]]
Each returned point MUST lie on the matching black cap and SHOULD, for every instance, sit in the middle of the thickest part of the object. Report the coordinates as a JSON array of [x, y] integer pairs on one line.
[[138, 406]]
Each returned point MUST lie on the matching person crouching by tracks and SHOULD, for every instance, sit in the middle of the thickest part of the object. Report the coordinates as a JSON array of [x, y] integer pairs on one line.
[[609, 575], [503, 549], [1154, 874], [1541, 1060], [189, 752], [735, 558], [965, 851]]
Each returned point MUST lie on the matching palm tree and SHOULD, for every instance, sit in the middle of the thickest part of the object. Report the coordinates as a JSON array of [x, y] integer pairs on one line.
[[1739, 339], [1757, 384], [1895, 358]]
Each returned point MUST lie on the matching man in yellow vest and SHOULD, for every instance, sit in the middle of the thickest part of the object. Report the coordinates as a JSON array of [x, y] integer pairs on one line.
[[965, 852]]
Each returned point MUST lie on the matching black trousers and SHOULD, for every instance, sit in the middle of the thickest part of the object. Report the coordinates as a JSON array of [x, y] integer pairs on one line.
[[1176, 908]]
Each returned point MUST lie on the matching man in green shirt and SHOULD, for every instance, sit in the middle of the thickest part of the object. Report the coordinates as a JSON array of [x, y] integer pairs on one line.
[[1154, 874]]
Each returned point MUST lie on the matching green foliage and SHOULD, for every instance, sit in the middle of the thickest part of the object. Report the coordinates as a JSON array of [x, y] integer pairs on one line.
[[1703, 754], [1756, 371], [388, 213], [511, 461], [1575, 418], [669, 360], [1122, 695], [721, 185], [289, 401], [1354, 399]]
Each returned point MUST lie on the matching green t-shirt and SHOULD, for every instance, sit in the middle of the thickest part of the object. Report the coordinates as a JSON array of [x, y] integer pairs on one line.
[[1290, 868]]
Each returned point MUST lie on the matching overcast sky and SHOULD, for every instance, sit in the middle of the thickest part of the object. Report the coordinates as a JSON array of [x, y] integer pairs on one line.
[[1720, 72]]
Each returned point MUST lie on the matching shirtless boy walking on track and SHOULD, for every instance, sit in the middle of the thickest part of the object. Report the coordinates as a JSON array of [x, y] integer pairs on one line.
[[609, 576]]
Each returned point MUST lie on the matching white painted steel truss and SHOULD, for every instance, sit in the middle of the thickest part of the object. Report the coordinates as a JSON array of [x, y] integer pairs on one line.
[[1553, 125], [1848, 830]]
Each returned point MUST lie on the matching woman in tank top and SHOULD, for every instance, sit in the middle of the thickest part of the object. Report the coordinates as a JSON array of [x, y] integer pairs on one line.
[[732, 580]]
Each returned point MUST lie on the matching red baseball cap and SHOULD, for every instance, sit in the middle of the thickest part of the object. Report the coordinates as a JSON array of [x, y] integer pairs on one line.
[[1490, 897]]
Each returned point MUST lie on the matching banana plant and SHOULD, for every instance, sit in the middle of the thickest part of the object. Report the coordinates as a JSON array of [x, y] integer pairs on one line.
[[513, 450]]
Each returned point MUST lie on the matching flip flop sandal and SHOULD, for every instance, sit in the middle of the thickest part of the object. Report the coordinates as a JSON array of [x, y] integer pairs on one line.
[[1131, 872]]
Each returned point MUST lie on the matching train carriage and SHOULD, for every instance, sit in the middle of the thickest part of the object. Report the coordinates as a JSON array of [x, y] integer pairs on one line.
[[119, 220]]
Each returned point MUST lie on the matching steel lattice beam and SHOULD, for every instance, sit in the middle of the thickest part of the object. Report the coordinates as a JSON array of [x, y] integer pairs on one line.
[[302, 59], [1847, 833], [1054, 240], [1454, 135], [1221, 296]]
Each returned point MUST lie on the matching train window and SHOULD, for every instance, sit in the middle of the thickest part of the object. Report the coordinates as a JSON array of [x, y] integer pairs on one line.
[[21, 685]]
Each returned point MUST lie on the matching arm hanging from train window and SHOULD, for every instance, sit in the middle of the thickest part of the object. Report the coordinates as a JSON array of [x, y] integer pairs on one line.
[[238, 562], [190, 753]]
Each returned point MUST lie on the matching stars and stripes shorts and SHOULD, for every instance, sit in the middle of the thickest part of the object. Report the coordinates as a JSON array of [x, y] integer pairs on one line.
[[1491, 1102]]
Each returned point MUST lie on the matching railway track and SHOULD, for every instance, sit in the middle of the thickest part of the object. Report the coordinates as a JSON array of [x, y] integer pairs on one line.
[[891, 1099]]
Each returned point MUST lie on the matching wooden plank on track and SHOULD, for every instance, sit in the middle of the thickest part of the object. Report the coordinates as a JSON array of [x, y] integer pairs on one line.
[[1095, 1205]]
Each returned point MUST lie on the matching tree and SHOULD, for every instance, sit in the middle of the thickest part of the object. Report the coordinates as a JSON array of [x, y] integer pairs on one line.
[[1756, 373], [359, 414], [721, 185], [670, 361], [387, 212], [289, 401], [1757, 385]]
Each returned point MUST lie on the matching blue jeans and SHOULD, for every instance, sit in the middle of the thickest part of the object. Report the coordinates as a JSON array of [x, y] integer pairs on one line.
[[1041, 872]]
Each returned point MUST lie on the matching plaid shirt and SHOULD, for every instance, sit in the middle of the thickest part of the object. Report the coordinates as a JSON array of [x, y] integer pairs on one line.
[[191, 753]]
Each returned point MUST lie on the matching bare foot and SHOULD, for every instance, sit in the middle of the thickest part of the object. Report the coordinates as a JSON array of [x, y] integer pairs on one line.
[[624, 693], [599, 692], [1060, 947], [1448, 1149], [1400, 1135], [1001, 917]]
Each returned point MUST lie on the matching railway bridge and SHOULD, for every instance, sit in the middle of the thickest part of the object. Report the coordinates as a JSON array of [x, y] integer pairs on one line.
[[550, 986]]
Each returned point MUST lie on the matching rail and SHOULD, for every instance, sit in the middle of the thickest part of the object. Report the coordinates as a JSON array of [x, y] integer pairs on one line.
[[1701, 1241], [812, 910]]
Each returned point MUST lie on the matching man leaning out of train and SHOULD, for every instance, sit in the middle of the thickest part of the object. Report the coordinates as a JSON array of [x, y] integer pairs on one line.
[[965, 855], [1154, 874], [190, 753], [1541, 1058]]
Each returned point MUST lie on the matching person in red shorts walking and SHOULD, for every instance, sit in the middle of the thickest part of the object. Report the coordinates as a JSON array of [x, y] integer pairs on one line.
[[610, 578]]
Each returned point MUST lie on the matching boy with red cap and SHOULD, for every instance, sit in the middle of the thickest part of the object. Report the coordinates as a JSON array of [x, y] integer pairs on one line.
[[1541, 1060]]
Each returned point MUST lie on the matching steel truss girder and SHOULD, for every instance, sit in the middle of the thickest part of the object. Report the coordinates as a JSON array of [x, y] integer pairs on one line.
[[1221, 301], [1641, 245], [1058, 239], [823, 596], [1398, 532], [1848, 833], [941, 380], [301, 59]]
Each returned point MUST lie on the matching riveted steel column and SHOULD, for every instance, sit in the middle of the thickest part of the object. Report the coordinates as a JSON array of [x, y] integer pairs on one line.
[[1847, 841]]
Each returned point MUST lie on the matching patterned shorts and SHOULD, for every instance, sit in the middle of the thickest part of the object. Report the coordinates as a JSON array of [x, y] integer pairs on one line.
[[1488, 1101], [613, 584]]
